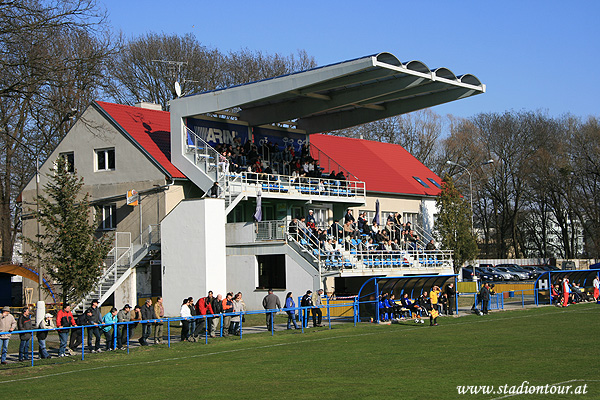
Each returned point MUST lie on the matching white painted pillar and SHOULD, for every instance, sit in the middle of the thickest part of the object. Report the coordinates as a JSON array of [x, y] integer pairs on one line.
[[193, 251]]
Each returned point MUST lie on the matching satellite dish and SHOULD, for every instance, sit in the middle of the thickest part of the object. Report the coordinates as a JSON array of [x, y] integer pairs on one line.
[[177, 89]]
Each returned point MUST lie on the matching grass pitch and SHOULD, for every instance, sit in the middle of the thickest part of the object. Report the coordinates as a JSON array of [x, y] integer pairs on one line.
[[406, 361]]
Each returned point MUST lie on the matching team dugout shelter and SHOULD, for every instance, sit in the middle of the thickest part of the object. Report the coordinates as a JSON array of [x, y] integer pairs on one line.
[[544, 283], [372, 290]]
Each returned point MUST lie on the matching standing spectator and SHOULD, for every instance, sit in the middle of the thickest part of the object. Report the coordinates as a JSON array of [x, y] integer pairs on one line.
[[110, 318], [566, 292], [76, 334], [135, 315], [349, 217], [24, 324], [95, 330], [215, 190], [485, 298], [7, 324], [596, 285], [270, 302], [147, 314], [289, 304], [310, 219], [306, 301], [317, 314], [430, 245], [185, 323], [122, 330], [227, 308], [159, 312], [217, 306], [192, 313], [238, 307], [204, 307], [64, 319], [450, 297], [45, 323]]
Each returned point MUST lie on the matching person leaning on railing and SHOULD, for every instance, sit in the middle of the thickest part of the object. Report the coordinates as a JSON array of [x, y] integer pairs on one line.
[[123, 316], [64, 319], [24, 324], [147, 314], [110, 318], [8, 323], [45, 323]]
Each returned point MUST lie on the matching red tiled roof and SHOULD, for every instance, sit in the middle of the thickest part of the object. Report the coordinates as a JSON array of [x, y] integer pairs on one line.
[[384, 167], [151, 129]]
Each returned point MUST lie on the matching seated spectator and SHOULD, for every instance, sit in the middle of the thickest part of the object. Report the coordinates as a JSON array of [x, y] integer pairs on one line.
[[330, 249], [430, 246], [412, 307]]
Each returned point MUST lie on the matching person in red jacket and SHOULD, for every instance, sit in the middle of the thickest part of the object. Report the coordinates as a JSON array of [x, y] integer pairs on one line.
[[64, 319], [203, 307]]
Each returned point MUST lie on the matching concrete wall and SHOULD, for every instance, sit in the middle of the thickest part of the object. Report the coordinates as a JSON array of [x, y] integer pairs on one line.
[[193, 251], [242, 276]]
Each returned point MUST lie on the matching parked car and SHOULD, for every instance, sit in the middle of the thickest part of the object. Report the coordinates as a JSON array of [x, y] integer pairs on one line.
[[519, 273], [467, 274], [535, 270], [497, 274], [515, 276], [491, 275]]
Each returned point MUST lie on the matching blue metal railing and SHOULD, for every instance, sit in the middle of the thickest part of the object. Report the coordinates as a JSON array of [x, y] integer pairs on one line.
[[301, 310]]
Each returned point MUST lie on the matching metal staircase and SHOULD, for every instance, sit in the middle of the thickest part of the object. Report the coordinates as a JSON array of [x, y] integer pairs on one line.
[[121, 262]]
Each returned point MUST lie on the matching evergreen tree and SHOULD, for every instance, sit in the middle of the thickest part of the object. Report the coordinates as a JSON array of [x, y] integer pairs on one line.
[[453, 224], [68, 248]]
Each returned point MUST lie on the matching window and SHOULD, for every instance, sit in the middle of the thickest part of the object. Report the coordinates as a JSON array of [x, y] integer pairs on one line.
[[413, 218], [420, 181], [369, 215], [70, 160], [109, 217], [435, 183], [271, 271], [105, 159]]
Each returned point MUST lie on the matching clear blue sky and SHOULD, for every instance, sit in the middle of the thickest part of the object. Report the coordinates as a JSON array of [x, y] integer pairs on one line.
[[532, 55]]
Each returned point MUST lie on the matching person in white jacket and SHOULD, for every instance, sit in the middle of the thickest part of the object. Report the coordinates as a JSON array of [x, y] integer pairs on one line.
[[185, 313]]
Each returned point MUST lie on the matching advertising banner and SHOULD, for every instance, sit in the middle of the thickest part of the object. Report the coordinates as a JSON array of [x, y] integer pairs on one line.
[[283, 138], [216, 132]]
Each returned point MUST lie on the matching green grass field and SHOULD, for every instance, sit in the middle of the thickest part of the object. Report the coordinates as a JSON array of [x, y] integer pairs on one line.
[[406, 361]]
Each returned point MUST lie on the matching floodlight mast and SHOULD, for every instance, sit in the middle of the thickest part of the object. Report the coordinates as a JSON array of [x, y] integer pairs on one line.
[[490, 161]]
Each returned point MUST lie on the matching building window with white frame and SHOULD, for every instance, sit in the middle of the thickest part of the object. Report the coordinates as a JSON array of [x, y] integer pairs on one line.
[[69, 158], [109, 217], [105, 159]]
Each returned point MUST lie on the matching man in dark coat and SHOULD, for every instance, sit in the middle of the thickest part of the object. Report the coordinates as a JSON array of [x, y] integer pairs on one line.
[[484, 293], [24, 324], [147, 314], [450, 297]]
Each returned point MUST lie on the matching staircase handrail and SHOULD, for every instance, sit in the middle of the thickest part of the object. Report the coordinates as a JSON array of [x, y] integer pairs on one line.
[[330, 160]]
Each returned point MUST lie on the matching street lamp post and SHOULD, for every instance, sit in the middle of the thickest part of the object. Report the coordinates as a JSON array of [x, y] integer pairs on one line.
[[471, 196]]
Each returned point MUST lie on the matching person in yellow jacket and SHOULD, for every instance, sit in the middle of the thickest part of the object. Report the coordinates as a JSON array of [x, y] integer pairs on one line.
[[434, 295]]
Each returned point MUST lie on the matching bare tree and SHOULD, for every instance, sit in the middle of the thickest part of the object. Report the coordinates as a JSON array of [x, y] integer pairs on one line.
[[418, 132], [148, 66], [51, 54]]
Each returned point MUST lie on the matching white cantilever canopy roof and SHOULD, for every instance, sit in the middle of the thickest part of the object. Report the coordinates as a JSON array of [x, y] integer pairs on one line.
[[335, 96]]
